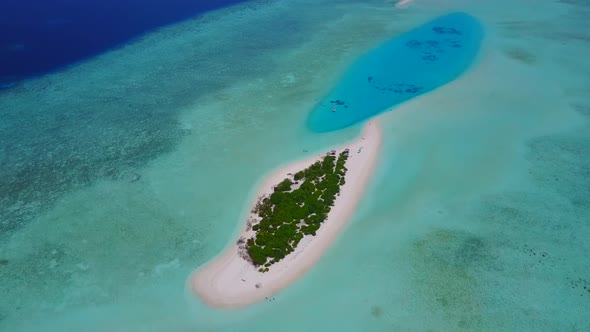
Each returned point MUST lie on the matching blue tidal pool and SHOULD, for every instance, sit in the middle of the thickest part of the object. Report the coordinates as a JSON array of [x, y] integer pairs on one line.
[[407, 66]]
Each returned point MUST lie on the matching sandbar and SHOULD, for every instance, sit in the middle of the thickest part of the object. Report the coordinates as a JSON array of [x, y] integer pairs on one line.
[[231, 282]]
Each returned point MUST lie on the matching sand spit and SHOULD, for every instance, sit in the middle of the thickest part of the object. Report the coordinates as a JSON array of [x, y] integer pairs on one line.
[[230, 282], [403, 3]]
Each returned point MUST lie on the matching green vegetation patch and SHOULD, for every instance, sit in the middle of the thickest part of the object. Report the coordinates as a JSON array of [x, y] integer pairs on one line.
[[297, 207]]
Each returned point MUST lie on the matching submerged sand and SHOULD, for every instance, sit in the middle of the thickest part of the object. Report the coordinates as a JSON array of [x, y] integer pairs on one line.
[[229, 281], [403, 3]]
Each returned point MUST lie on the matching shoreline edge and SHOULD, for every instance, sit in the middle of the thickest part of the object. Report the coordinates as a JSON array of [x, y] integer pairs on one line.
[[230, 282]]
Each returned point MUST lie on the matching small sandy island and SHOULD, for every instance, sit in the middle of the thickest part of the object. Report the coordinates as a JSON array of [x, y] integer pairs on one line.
[[229, 281]]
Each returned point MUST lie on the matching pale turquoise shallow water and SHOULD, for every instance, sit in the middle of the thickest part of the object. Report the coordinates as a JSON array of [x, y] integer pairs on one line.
[[123, 174]]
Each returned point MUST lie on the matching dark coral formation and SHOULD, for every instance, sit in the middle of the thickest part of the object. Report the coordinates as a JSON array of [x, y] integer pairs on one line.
[[415, 44], [446, 30], [397, 88], [430, 58], [427, 48], [335, 105], [581, 285], [337, 102]]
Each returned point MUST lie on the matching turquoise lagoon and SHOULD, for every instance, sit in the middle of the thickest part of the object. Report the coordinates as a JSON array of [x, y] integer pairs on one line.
[[123, 174], [405, 67]]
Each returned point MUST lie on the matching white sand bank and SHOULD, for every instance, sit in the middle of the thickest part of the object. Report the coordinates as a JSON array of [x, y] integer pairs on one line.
[[403, 3], [229, 281]]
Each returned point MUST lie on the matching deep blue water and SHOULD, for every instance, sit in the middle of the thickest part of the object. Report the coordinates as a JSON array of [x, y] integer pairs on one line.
[[404, 67], [39, 36]]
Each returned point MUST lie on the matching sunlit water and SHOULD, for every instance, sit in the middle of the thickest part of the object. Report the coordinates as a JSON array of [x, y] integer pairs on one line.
[[123, 174]]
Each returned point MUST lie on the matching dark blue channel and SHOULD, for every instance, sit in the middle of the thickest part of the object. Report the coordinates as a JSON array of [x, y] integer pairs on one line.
[[40, 36]]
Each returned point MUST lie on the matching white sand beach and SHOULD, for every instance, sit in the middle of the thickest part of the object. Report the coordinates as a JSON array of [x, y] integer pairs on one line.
[[229, 281]]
